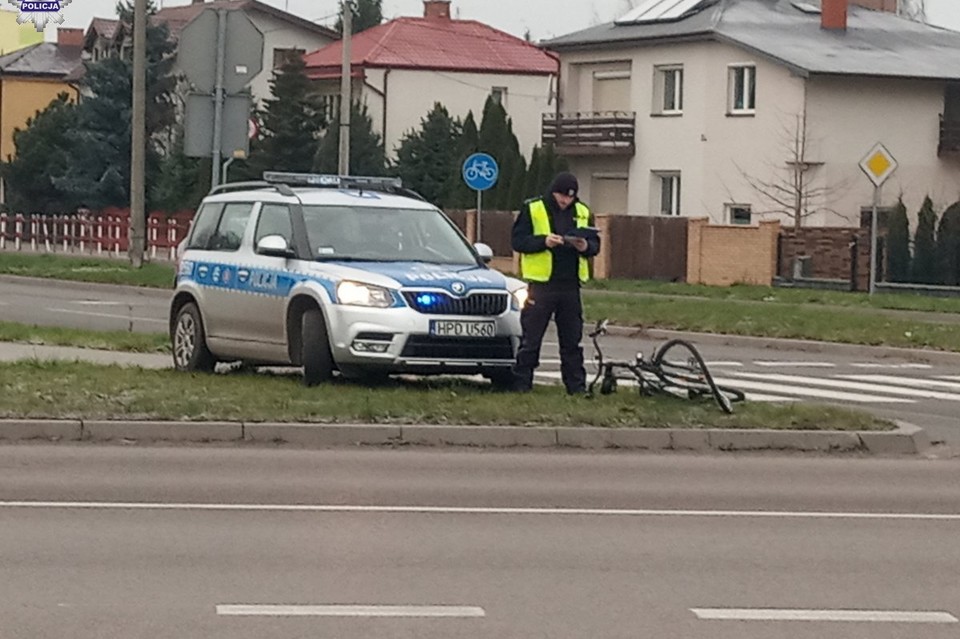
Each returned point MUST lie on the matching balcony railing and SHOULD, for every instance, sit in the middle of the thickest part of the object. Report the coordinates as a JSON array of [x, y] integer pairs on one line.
[[603, 133], [949, 137]]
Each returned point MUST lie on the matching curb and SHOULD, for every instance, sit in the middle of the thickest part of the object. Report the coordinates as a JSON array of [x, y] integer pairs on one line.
[[907, 439], [784, 344]]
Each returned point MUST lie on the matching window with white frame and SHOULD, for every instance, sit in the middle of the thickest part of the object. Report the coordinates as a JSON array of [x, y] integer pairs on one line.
[[668, 90], [668, 186], [743, 89], [739, 214], [499, 95]]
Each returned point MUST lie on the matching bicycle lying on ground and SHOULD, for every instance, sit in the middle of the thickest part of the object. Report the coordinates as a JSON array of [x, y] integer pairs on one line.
[[676, 368]]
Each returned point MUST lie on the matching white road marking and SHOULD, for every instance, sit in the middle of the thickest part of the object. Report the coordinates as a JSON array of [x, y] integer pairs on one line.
[[953, 378], [772, 614], [772, 364], [348, 611], [725, 364], [858, 386], [877, 365], [799, 391], [108, 315], [919, 382], [464, 510]]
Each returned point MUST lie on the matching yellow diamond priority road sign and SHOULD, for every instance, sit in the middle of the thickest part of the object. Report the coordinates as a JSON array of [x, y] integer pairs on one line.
[[878, 164]]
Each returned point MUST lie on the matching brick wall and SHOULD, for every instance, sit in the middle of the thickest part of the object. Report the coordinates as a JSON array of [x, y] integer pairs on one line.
[[725, 255], [829, 250]]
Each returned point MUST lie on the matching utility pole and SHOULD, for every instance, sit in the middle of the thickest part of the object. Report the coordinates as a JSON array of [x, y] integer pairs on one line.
[[138, 142], [345, 88]]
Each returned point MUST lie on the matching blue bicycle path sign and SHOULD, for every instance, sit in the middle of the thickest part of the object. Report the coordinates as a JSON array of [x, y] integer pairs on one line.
[[480, 171]]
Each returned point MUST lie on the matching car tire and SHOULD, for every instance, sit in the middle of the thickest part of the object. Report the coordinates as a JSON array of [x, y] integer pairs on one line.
[[190, 352], [315, 349]]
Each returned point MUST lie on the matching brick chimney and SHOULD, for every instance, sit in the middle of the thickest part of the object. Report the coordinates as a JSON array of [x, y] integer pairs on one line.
[[69, 37], [833, 15], [436, 9]]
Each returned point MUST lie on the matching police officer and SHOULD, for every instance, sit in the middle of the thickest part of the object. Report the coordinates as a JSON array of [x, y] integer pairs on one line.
[[554, 235]]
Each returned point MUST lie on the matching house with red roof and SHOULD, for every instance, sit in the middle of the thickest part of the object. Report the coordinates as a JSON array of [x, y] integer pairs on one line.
[[402, 67]]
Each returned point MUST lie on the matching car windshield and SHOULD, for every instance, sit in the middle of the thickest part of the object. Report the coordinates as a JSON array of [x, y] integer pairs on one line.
[[384, 235]]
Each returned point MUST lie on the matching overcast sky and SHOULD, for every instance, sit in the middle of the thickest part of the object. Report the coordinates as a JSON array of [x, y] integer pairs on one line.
[[544, 18]]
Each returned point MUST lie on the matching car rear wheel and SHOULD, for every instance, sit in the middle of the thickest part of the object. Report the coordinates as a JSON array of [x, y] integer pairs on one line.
[[190, 352], [315, 349]]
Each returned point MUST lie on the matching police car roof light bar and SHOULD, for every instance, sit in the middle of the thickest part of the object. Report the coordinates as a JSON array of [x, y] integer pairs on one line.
[[317, 180]]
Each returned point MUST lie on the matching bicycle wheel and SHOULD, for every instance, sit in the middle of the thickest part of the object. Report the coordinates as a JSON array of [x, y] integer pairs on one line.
[[681, 365]]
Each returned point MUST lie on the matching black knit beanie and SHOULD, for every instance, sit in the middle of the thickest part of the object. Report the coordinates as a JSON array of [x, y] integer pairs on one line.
[[565, 183]]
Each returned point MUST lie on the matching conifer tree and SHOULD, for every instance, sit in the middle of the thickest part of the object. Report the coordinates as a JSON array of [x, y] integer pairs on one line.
[[948, 246], [367, 156], [898, 244], [366, 14], [924, 269], [427, 158]]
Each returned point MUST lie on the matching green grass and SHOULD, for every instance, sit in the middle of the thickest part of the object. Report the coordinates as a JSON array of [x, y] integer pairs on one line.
[[850, 325], [103, 340], [85, 391], [87, 269], [794, 296]]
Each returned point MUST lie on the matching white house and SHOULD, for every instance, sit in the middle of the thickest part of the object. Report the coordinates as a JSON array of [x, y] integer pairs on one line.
[[404, 66], [748, 109]]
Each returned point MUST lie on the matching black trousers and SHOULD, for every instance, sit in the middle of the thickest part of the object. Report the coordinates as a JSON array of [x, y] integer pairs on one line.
[[562, 303]]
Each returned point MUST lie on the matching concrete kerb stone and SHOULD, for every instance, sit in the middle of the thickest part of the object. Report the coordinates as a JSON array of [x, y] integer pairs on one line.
[[907, 439], [322, 435], [480, 436], [198, 432], [53, 429]]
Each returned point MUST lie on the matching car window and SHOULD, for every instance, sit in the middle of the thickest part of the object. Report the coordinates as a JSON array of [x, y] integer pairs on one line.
[[403, 235], [204, 226], [274, 220], [233, 223]]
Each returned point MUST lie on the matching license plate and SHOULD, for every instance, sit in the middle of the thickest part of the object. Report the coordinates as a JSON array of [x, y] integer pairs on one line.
[[459, 328]]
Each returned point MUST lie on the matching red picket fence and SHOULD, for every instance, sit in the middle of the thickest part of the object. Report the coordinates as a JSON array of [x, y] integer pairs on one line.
[[103, 234]]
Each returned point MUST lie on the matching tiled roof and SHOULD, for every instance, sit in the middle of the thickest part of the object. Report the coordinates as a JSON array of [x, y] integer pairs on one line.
[[875, 43], [45, 59], [104, 27], [435, 44]]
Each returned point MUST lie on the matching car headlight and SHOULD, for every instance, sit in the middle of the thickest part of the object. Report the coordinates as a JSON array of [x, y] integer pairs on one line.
[[357, 294], [520, 298]]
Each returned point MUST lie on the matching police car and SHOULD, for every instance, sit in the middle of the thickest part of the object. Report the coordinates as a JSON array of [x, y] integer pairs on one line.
[[347, 274]]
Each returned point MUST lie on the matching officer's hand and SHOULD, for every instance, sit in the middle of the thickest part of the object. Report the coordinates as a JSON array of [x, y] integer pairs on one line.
[[578, 243], [554, 240]]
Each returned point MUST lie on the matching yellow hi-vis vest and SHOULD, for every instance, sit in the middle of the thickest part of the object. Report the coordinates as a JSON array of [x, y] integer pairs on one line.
[[537, 267]]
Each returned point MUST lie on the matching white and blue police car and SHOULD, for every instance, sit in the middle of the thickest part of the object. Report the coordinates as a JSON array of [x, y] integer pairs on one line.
[[332, 273]]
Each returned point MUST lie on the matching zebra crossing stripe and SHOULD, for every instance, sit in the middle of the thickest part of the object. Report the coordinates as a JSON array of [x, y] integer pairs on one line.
[[952, 378], [777, 364], [918, 382], [857, 386], [800, 391]]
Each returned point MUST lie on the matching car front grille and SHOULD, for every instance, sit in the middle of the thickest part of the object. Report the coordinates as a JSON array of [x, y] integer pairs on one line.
[[457, 348], [483, 304]]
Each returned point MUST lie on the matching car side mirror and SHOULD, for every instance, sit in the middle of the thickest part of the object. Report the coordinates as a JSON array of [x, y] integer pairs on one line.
[[274, 246], [484, 251]]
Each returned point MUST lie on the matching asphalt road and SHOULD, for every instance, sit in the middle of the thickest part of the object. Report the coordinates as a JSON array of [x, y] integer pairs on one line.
[[914, 386], [99, 541]]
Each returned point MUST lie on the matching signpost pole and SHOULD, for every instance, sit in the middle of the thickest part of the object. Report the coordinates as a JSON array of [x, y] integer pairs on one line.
[[479, 216], [874, 228], [218, 97], [138, 141]]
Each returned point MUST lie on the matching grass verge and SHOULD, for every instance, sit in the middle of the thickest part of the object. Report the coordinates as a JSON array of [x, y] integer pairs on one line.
[[86, 269], [78, 390], [79, 338], [811, 322]]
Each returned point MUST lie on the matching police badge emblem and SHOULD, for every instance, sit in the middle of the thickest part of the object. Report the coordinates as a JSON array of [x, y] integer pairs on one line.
[[40, 12]]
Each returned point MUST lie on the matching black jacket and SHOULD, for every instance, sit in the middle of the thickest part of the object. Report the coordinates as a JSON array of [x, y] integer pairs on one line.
[[562, 222]]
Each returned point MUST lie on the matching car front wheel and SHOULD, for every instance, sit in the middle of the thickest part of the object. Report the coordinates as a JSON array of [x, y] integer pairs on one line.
[[315, 349], [190, 352]]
